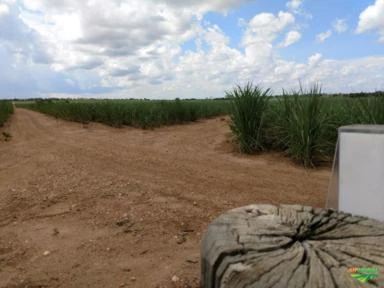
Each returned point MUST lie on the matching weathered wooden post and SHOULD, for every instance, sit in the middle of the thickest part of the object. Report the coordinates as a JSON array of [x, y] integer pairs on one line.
[[290, 246]]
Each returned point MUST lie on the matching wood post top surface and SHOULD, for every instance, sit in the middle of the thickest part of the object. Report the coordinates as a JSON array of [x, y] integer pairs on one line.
[[289, 246]]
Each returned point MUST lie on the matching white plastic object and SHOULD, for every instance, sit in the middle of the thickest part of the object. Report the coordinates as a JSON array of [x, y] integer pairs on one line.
[[357, 182]]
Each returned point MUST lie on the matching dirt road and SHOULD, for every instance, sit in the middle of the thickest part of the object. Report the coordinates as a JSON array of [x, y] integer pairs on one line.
[[95, 206]]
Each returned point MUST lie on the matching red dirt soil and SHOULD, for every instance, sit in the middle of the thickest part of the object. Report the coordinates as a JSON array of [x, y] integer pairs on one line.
[[95, 206]]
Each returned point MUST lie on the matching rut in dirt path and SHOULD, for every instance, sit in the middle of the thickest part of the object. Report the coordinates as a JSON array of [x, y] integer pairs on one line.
[[164, 185]]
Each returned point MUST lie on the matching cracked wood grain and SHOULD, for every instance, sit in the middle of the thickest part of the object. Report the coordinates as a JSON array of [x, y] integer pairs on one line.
[[289, 246]]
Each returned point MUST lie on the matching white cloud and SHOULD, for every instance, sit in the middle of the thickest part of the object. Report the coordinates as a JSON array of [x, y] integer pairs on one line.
[[296, 7], [314, 59], [294, 4], [134, 49], [336, 73], [266, 26], [290, 38], [4, 10], [340, 25], [81, 32], [4, 7], [372, 18], [321, 37], [261, 32]]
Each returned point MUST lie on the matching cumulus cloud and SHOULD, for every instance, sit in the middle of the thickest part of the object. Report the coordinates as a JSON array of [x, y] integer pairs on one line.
[[108, 28], [314, 59], [261, 32], [294, 4], [372, 18], [321, 37], [134, 49], [290, 38], [348, 70], [266, 26], [340, 25], [296, 7]]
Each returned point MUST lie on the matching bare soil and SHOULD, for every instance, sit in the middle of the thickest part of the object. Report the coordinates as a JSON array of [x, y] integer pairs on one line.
[[95, 206]]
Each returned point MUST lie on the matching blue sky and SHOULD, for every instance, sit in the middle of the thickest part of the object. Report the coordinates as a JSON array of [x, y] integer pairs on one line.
[[167, 49], [322, 19]]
